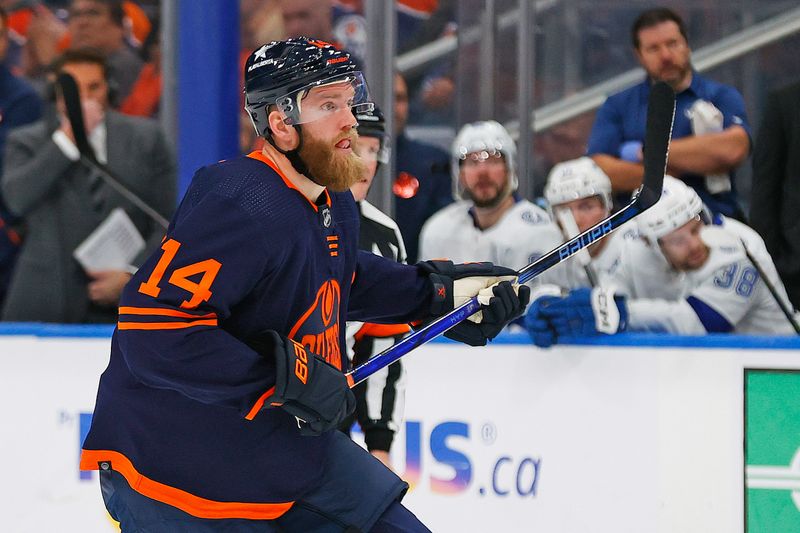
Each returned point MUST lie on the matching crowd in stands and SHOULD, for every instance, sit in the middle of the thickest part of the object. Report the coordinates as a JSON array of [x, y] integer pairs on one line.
[[464, 204]]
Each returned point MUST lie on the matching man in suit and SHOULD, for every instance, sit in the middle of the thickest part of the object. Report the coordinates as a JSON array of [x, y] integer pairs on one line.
[[776, 185], [62, 201]]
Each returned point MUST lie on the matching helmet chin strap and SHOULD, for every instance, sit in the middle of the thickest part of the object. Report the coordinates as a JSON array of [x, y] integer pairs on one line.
[[294, 155]]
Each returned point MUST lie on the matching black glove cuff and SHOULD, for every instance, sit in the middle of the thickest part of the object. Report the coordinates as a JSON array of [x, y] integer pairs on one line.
[[441, 294], [378, 438]]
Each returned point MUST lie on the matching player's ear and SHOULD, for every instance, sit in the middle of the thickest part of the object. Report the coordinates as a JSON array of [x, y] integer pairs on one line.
[[285, 136]]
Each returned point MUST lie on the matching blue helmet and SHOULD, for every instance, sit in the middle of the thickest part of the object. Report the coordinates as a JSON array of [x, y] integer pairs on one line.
[[281, 73]]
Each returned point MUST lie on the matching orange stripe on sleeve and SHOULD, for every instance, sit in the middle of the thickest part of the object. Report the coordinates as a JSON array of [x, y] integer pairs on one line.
[[159, 311], [165, 325], [259, 404], [185, 501]]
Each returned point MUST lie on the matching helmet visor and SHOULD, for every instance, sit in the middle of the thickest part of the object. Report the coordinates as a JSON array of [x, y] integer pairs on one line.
[[326, 98], [367, 152]]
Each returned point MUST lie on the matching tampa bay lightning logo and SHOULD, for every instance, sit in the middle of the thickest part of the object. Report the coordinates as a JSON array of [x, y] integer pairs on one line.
[[533, 218]]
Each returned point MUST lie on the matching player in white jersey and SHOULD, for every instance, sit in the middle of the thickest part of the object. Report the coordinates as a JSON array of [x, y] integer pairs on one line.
[[380, 400], [688, 275], [490, 222], [578, 194]]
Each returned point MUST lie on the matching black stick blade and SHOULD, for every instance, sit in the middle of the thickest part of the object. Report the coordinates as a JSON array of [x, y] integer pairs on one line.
[[72, 104], [660, 115]]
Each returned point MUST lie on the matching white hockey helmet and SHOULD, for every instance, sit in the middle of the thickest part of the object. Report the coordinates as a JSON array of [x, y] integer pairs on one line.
[[484, 136], [576, 179], [678, 204]]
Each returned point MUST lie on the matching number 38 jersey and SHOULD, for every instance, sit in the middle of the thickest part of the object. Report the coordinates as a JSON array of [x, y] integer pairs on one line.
[[180, 409], [726, 294]]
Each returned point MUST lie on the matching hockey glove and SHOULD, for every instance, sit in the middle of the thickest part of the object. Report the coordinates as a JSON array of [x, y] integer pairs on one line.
[[587, 312], [306, 386], [542, 334], [501, 301]]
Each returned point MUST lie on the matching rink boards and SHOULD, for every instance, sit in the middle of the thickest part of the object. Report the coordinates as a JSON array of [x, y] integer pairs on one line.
[[647, 434]]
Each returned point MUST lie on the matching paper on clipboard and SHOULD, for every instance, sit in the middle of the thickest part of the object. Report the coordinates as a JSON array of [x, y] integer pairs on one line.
[[112, 246]]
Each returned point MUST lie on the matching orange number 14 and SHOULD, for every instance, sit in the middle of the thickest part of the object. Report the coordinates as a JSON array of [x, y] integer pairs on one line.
[[180, 277]]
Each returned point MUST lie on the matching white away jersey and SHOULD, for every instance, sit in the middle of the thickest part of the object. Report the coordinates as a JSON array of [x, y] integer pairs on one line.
[[523, 234], [727, 286], [572, 275]]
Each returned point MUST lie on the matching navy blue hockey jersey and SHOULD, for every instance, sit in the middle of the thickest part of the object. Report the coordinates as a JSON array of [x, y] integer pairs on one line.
[[180, 409]]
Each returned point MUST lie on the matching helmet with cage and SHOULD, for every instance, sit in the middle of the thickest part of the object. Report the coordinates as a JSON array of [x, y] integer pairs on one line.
[[483, 140]]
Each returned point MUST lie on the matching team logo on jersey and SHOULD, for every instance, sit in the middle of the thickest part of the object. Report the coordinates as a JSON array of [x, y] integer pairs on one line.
[[325, 215], [533, 218], [318, 328]]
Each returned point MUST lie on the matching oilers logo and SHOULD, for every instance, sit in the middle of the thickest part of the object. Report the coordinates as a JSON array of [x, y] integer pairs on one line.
[[318, 328]]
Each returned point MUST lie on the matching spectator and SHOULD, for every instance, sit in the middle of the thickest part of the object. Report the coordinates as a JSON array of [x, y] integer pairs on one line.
[[62, 202], [776, 185], [100, 24], [45, 35], [381, 398], [320, 19], [689, 275], [261, 21], [144, 99], [422, 186], [312, 18], [578, 193], [432, 90], [491, 222], [711, 133], [19, 105]]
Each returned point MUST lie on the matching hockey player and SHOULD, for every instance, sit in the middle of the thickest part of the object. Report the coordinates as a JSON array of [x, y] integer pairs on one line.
[[490, 222], [381, 398], [218, 409], [688, 275], [578, 194]]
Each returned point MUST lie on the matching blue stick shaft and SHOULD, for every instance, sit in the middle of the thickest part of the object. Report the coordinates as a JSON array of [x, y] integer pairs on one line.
[[442, 324], [660, 115]]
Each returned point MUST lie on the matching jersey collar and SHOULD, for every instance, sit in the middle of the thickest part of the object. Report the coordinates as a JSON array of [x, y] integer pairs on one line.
[[260, 156]]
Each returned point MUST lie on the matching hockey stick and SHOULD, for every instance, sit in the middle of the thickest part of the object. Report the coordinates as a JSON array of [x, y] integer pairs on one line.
[[773, 291], [660, 114], [569, 229], [72, 103]]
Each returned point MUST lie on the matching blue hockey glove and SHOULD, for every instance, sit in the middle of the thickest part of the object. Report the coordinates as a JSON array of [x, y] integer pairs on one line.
[[305, 385], [631, 151], [542, 333], [587, 312], [501, 301]]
